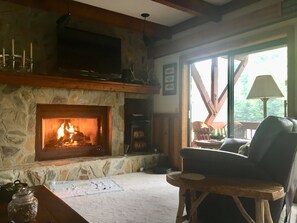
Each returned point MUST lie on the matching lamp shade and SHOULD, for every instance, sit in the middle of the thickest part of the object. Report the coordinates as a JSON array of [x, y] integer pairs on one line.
[[264, 86]]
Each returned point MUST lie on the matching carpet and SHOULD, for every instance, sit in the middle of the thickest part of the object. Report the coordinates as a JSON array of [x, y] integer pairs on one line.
[[65, 189], [145, 198]]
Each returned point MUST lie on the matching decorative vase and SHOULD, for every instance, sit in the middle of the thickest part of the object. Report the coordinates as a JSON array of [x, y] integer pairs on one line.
[[23, 206]]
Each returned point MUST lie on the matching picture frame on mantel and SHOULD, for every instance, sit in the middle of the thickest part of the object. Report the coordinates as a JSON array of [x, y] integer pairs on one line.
[[169, 79]]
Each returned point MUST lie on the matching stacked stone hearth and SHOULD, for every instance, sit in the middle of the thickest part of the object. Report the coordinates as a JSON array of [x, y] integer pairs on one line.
[[17, 137]]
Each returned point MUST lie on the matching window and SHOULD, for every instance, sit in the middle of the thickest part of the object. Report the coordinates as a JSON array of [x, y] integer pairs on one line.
[[219, 87]]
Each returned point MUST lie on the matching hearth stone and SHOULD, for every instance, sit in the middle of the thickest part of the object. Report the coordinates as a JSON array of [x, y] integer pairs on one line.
[[78, 168]]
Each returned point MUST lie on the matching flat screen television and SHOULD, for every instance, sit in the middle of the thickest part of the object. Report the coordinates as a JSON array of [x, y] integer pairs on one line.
[[85, 52]]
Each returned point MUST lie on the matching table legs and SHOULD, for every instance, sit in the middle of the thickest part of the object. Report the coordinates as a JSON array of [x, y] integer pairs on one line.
[[267, 213], [263, 211], [181, 206], [242, 210], [259, 210], [262, 208], [195, 202]]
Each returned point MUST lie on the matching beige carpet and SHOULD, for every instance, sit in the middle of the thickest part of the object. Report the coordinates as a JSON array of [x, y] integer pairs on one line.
[[146, 198]]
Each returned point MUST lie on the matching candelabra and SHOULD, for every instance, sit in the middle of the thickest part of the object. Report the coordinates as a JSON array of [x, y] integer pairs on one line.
[[16, 62]]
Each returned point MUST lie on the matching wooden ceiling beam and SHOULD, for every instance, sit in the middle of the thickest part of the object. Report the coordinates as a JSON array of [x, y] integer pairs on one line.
[[99, 15], [194, 7], [236, 4], [198, 20]]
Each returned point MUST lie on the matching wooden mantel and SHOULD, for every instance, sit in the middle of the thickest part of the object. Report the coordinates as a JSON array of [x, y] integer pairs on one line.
[[40, 80]]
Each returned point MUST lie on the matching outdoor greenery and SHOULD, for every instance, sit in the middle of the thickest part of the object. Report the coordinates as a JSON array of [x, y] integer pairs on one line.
[[270, 61], [266, 62]]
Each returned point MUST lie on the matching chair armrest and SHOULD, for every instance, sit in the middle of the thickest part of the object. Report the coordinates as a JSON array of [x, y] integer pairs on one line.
[[233, 144], [222, 163]]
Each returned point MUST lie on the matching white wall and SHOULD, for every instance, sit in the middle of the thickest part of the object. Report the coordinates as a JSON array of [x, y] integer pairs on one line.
[[166, 103]]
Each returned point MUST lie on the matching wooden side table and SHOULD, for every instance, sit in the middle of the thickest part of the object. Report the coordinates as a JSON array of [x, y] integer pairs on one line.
[[260, 191]]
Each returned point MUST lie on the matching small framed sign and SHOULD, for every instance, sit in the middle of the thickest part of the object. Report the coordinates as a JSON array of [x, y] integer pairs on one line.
[[169, 79]]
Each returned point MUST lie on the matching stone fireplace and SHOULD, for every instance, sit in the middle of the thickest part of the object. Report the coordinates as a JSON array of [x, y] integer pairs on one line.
[[19, 117], [67, 131]]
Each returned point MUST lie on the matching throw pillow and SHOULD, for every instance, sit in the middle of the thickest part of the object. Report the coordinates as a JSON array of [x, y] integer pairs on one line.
[[244, 149]]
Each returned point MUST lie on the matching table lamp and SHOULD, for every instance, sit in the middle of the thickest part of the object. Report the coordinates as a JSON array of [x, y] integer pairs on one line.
[[264, 87]]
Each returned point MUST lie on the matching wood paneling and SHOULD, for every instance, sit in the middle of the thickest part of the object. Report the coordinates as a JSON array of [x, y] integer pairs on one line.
[[30, 79], [167, 137]]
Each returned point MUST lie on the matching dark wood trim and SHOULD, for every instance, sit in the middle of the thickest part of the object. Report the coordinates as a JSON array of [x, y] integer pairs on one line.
[[39, 80], [99, 15]]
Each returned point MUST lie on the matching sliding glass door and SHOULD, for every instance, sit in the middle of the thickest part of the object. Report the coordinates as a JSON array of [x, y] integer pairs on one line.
[[222, 101], [209, 82]]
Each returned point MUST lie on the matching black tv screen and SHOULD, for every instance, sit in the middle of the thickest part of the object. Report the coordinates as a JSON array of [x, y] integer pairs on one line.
[[84, 51]]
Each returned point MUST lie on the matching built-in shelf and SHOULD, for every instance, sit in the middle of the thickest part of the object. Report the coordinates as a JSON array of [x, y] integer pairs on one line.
[[55, 81]]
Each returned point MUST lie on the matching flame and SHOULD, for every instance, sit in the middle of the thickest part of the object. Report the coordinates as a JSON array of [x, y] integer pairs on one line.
[[61, 131], [69, 128]]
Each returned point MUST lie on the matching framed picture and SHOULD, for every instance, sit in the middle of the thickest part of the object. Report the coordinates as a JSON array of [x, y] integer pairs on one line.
[[169, 79]]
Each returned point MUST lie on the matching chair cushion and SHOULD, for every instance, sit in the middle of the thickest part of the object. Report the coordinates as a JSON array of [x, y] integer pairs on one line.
[[268, 130], [233, 144]]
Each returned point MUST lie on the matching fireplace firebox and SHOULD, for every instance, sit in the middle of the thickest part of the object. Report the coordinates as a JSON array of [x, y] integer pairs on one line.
[[67, 131]]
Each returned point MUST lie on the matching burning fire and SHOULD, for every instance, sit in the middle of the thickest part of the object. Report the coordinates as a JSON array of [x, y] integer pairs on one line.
[[70, 133], [66, 129]]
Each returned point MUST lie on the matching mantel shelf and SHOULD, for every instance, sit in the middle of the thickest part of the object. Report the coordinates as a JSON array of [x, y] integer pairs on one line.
[[40, 80]]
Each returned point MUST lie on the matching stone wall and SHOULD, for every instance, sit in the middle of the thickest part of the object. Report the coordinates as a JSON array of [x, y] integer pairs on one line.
[[18, 118], [78, 169], [25, 25]]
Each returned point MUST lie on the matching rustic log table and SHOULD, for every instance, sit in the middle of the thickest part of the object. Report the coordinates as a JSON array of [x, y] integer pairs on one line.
[[51, 209], [261, 191]]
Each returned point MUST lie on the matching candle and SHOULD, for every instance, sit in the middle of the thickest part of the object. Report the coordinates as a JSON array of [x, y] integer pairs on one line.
[[31, 51], [24, 58], [12, 47], [3, 56]]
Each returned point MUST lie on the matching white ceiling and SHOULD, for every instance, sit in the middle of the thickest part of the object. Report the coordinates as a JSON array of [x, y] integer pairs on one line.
[[159, 13]]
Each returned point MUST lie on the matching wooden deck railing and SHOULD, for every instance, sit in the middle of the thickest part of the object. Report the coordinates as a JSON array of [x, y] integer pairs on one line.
[[245, 130], [249, 129]]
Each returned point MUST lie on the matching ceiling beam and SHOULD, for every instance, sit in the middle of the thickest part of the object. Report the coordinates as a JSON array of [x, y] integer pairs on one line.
[[194, 7], [236, 4], [196, 21], [99, 15]]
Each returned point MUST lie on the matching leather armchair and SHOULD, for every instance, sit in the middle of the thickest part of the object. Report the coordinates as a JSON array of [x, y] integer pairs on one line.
[[272, 157]]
